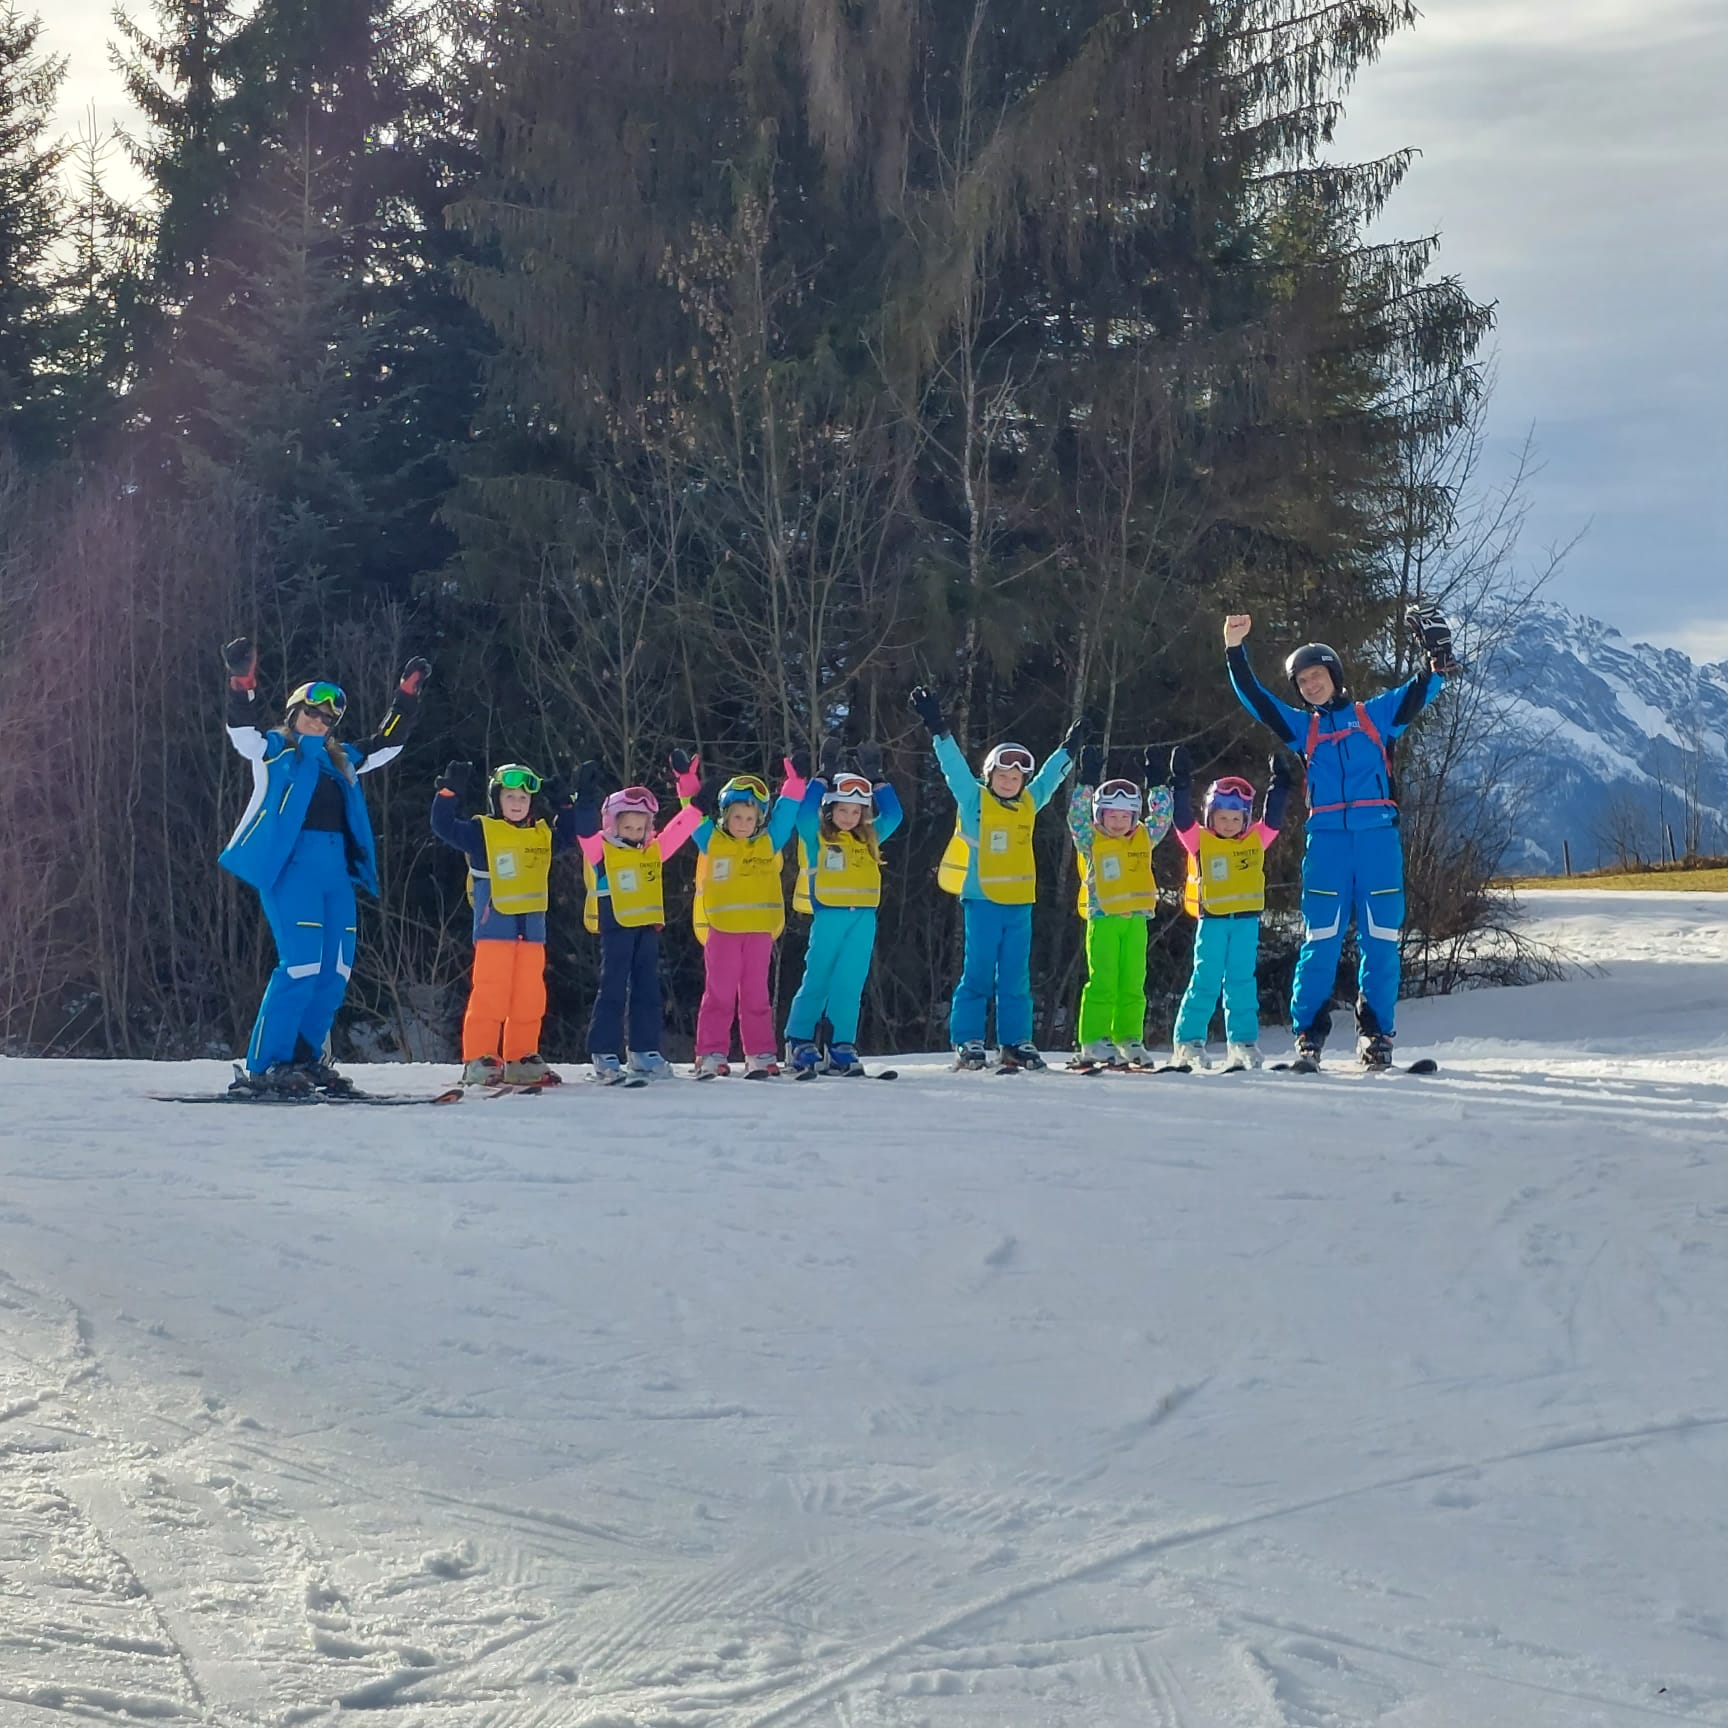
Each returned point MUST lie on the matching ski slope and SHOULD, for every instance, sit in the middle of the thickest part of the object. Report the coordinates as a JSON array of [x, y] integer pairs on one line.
[[967, 1402]]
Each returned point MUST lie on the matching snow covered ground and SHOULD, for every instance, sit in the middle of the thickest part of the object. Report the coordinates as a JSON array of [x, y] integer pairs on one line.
[[1192, 1402]]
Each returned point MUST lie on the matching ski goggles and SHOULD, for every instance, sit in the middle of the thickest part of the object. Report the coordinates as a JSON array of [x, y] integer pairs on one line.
[[633, 798], [744, 786], [850, 789], [1230, 794], [321, 695], [1010, 756], [513, 777], [1117, 795]]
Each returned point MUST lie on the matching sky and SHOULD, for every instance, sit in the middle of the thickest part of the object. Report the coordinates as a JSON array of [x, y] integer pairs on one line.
[[1575, 164]]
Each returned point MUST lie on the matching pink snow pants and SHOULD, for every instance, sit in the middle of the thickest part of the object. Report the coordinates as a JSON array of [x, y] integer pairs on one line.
[[737, 969]]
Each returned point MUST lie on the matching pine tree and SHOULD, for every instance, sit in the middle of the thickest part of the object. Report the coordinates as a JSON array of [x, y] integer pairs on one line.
[[30, 213]]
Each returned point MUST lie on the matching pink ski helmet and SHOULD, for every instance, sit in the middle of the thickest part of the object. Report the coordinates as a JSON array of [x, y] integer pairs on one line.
[[632, 798]]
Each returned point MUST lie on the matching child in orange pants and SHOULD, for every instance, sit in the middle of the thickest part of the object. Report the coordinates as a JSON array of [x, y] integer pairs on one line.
[[509, 852]]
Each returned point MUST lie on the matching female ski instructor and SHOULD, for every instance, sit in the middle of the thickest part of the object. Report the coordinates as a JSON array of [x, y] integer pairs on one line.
[[1353, 862], [305, 843]]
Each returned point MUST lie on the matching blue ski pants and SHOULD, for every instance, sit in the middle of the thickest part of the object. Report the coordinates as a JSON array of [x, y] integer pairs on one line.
[[998, 963], [629, 973], [1226, 952], [836, 965], [312, 915], [1351, 873]]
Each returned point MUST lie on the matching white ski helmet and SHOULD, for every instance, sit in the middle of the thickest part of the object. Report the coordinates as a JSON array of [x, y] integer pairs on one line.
[[1117, 795]]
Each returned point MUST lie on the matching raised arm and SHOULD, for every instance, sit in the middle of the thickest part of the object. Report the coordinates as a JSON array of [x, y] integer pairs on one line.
[[1187, 830], [240, 703], [1284, 721], [456, 788], [1277, 800], [1080, 829], [889, 814], [1393, 711], [386, 744]]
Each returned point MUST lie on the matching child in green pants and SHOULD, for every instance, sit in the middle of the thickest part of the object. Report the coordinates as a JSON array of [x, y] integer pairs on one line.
[[1118, 896]]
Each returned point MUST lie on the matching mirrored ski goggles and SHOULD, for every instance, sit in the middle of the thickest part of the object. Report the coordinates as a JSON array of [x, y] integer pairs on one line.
[[744, 786], [321, 695], [1010, 756], [513, 777], [849, 789], [637, 798], [1117, 795], [1231, 787]]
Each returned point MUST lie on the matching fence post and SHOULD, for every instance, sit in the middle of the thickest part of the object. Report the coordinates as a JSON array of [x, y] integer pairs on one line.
[[1566, 853]]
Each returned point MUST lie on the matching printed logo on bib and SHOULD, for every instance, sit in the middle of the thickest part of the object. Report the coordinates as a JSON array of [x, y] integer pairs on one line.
[[833, 860], [1110, 869], [720, 868], [504, 865], [1219, 867], [998, 839], [627, 881]]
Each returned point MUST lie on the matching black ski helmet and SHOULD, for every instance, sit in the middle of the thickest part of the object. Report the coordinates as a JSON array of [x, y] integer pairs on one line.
[[517, 776], [1316, 654]]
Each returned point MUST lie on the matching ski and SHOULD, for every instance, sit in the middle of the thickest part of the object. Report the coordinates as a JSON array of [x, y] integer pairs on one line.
[[804, 1074], [629, 1082], [397, 1099], [1301, 1065]]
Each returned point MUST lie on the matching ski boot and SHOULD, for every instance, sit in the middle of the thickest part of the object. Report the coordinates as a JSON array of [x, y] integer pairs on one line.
[[1015, 1056], [531, 1071], [803, 1057], [324, 1077], [1239, 1056], [1309, 1044], [1191, 1055], [1136, 1055], [970, 1056], [650, 1064], [711, 1067], [1374, 1050], [761, 1068], [482, 1071], [279, 1080], [843, 1060], [1100, 1053], [608, 1070]]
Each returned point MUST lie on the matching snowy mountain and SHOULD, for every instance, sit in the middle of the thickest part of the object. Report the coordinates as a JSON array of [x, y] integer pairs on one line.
[[1123, 1402], [1606, 743]]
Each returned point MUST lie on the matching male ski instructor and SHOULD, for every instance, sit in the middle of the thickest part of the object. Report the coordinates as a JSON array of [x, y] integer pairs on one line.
[[1353, 863]]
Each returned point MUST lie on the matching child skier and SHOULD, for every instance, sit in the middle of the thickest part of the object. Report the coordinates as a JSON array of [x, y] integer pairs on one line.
[[740, 909], [1118, 896], [1353, 862], [305, 843], [842, 822], [624, 857], [1225, 895], [990, 865], [509, 851]]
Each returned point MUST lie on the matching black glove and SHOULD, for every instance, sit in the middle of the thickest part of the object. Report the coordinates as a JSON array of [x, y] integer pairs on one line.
[[1077, 734], [555, 789], [1156, 766], [800, 760], [870, 762], [1433, 637], [588, 781], [703, 798], [924, 704], [460, 778], [1181, 766], [241, 659], [414, 675], [680, 761], [1278, 766], [828, 758], [1091, 769]]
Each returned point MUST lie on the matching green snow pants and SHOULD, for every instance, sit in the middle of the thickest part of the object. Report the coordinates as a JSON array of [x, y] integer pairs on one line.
[[1113, 1004]]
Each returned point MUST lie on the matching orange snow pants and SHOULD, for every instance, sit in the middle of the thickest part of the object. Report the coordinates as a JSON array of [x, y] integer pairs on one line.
[[507, 1002]]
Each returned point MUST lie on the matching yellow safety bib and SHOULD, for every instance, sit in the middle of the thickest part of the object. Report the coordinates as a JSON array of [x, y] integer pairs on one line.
[[1226, 876], [518, 864], [1007, 870], [1119, 874], [632, 885], [844, 874], [739, 889]]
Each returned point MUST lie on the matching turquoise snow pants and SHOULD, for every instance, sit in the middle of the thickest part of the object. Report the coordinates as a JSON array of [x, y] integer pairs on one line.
[[836, 966], [1226, 952]]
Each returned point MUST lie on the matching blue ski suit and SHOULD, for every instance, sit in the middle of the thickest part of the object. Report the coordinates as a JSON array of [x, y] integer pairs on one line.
[[998, 958], [1353, 865], [842, 938], [305, 843]]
